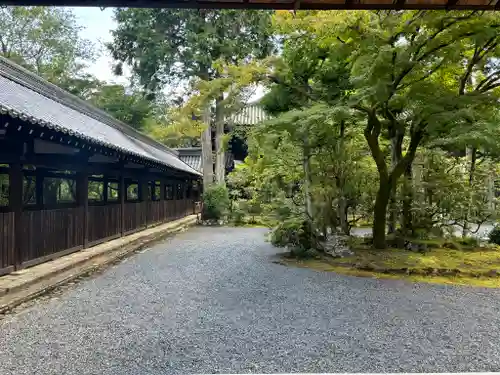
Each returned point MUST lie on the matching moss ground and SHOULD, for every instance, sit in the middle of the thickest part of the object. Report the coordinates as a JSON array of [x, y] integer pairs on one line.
[[475, 266]]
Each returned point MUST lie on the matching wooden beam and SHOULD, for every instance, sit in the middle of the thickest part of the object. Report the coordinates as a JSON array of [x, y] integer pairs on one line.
[[39, 187], [122, 195], [82, 199], [451, 3], [105, 183], [238, 4], [16, 206]]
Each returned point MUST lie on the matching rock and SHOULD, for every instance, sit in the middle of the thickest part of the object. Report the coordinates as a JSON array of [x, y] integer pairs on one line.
[[492, 273], [416, 247], [337, 246]]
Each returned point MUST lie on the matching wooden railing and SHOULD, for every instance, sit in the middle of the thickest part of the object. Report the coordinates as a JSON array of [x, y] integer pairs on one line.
[[135, 216], [7, 242], [50, 233], [104, 222], [157, 212]]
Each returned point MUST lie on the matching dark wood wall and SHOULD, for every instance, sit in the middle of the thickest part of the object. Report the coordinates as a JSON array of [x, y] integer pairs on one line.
[[54, 204]]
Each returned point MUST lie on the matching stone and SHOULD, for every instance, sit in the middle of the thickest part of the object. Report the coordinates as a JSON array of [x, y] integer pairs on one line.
[[492, 273], [336, 245]]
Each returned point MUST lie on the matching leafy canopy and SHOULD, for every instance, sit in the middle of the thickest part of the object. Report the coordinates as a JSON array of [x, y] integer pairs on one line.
[[162, 45]]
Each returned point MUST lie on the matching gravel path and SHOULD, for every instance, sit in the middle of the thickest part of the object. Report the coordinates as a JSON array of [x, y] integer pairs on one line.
[[211, 300]]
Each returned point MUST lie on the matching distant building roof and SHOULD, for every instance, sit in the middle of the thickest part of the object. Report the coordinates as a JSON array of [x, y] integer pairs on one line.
[[28, 97], [192, 157], [251, 114]]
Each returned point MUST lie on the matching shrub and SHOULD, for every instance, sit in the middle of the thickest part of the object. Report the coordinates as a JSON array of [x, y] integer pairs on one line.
[[461, 243], [216, 203], [253, 209], [469, 241], [297, 234], [494, 235], [237, 216]]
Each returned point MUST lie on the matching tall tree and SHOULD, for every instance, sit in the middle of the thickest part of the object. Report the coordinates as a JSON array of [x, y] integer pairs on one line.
[[45, 40], [405, 68], [124, 104], [166, 45]]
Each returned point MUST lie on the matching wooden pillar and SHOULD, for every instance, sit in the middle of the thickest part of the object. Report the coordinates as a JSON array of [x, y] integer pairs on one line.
[[122, 192], [39, 175], [16, 206], [82, 194], [143, 197], [192, 196], [152, 186], [105, 189], [162, 190]]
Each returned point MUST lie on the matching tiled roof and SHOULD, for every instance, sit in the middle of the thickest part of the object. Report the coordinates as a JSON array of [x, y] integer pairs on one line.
[[26, 96], [192, 157], [194, 161], [252, 114]]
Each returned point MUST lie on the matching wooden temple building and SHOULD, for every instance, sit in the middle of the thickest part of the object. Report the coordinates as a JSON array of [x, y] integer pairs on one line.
[[72, 176], [248, 116], [275, 4]]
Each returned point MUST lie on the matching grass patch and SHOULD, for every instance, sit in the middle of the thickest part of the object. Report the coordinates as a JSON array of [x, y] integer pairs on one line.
[[472, 266]]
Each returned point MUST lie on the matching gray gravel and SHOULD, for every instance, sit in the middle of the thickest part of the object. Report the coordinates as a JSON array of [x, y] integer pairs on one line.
[[211, 300]]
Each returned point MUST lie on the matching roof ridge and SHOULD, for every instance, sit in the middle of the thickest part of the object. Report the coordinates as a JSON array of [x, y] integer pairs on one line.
[[34, 82]]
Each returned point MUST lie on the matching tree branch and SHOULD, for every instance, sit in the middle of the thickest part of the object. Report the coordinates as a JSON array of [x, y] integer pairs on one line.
[[372, 132], [425, 76]]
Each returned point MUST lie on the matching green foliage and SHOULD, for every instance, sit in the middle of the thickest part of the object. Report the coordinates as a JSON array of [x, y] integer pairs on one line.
[[45, 40], [124, 104], [297, 234], [494, 235], [444, 197], [237, 215], [166, 44], [216, 203], [403, 73]]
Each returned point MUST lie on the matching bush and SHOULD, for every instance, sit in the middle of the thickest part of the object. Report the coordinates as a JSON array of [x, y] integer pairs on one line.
[[297, 234], [216, 203], [461, 243], [494, 235], [237, 216], [469, 241]]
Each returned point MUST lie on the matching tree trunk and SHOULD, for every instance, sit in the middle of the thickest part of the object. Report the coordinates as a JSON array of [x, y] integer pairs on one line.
[[307, 181], [392, 207], [206, 150], [340, 182], [220, 159], [342, 208], [472, 154], [407, 202], [380, 213], [387, 181], [396, 155]]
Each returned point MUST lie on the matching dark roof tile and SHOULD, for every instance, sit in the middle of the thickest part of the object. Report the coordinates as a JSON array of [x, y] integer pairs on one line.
[[28, 102]]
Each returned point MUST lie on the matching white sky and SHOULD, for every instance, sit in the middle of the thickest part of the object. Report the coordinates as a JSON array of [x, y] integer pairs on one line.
[[97, 25]]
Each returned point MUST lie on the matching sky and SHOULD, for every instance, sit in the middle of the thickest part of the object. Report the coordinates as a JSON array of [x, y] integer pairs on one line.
[[97, 26]]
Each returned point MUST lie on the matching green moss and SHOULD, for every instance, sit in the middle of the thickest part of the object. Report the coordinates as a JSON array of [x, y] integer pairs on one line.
[[475, 267]]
